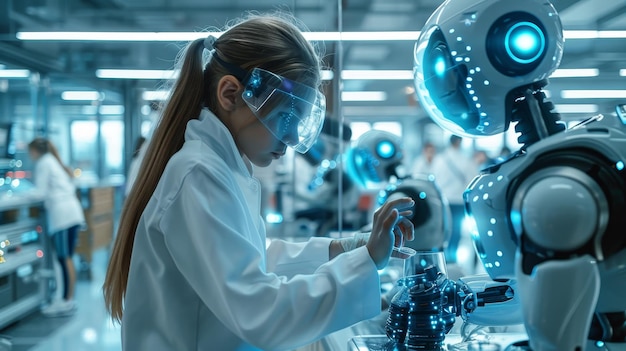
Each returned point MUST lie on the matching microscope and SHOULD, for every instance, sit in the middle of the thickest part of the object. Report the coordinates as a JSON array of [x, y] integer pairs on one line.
[[550, 218]]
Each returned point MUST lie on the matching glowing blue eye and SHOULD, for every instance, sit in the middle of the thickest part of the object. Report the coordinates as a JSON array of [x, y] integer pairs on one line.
[[440, 67], [525, 42], [385, 149]]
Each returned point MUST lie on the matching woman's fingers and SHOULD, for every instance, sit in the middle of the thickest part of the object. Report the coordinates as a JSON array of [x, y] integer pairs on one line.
[[407, 229]]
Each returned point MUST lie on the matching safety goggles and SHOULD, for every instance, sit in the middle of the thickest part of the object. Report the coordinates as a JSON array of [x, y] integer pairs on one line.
[[291, 111]]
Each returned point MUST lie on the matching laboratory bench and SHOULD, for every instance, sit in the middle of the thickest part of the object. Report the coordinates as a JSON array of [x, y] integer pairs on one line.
[[25, 262]]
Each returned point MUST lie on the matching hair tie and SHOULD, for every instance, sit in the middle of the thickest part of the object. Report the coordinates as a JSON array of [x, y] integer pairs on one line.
[[209, 42]]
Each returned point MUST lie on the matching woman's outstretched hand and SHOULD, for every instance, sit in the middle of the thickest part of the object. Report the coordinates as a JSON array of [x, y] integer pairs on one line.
[[390, 227]]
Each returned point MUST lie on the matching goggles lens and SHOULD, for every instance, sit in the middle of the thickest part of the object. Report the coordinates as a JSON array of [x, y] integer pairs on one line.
[[293, 112]]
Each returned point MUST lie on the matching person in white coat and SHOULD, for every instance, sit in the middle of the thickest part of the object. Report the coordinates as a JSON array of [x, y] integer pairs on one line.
[[65, 216], [190, 269]]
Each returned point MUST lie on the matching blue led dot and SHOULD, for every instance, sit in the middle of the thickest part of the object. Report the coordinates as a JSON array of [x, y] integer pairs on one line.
[[619, 165]]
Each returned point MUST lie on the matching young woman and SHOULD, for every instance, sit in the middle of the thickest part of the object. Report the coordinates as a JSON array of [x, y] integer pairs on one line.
[[190, 269], [65, 217]]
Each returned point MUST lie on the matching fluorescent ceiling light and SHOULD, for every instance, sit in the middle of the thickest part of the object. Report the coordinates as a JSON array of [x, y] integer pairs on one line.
[[377, 74], [189, 36], [103, 109], [155, 95], [82, 95], [111, 109], [575, 72], [593, 94], [114, 36], [576, 108], [136, 74], [594, 34], [14, 73], [160, 74], [622, 72], [313, 36], [327, 74], [363, 96]]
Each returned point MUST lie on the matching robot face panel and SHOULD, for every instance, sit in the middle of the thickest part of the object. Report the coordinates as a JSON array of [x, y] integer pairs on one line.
[[471, 55]]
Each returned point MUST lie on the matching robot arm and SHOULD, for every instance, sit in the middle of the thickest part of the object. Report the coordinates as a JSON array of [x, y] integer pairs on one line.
[[483, 301]]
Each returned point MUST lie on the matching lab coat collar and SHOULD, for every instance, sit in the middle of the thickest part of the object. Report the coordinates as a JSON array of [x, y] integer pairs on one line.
[[210, 130]]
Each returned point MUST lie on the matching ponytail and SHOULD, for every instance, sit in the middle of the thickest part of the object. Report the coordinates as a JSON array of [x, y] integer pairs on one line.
[[185, 102]]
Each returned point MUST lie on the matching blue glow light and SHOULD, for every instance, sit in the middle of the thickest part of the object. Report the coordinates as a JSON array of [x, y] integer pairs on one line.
[[273, 217], [440, 66], [525, 42], [516, 221], [385, 149], [422, 195], [619, 165], [599, 344]]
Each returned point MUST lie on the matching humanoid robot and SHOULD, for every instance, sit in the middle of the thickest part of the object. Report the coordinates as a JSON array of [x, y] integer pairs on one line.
[[374, 159], [550, 218]]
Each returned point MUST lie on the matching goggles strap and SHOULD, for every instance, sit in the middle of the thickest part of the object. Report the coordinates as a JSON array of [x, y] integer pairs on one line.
[[235, 70]]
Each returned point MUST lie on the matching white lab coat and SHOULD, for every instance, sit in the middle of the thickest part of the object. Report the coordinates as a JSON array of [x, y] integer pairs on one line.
[[200, 275], [62, 206]]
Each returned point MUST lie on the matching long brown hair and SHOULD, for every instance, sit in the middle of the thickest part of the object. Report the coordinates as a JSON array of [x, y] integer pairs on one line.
[[280, 48]]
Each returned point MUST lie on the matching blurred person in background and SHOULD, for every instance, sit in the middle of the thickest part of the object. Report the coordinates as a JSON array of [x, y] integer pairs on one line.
[[424, 163], [64, 214], [453, 171]]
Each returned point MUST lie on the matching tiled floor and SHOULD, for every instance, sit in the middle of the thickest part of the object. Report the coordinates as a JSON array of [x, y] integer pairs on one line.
[[88, 330]]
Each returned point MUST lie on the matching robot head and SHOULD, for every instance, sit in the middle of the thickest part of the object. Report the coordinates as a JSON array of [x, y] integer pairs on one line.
[[431, 214], [472, 55], [374, 158]]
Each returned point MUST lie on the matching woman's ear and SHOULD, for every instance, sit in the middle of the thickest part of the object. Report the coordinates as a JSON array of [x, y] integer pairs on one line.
[[228, 92]]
